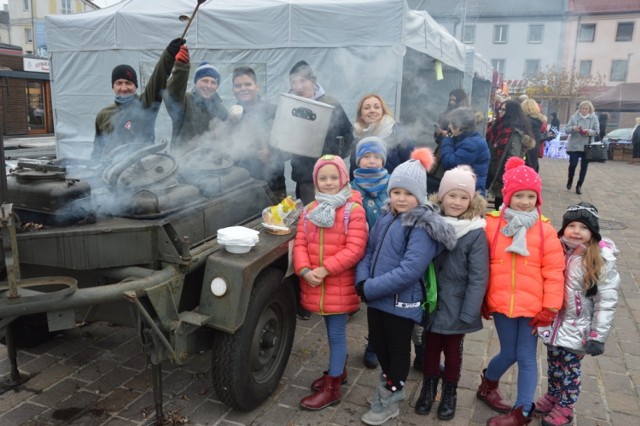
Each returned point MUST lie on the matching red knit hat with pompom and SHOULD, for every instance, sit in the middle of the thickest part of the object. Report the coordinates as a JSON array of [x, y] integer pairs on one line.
[[412, 174], [520, 177]]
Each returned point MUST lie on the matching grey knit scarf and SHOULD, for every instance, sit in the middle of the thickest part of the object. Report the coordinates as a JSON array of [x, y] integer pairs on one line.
[[325, 212], [517, 225]]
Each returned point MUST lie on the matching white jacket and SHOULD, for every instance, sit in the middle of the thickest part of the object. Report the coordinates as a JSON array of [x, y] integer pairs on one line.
[[585, 318]]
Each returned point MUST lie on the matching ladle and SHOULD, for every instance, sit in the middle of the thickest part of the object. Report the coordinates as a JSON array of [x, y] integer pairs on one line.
[[183, 17]]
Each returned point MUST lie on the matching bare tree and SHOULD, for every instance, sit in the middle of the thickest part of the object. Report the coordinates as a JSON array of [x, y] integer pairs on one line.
[[561, 88]]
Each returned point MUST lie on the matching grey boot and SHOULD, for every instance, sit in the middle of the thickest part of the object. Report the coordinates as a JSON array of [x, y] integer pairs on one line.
[[385, 408], [375, 396]]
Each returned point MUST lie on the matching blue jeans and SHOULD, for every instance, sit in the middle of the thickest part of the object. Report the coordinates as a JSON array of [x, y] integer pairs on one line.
[[574, 156], [337, 335], [517, 344]]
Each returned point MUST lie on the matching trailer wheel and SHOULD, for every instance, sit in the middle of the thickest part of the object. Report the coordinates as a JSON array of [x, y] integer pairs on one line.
[[246, 367]]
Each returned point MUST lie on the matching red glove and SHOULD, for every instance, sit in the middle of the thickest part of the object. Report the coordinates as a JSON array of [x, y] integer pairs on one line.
[[484, 310], [183, 54], [544, 318]]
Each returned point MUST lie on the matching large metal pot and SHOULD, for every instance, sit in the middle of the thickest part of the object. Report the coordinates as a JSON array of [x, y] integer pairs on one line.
[[300, 125]]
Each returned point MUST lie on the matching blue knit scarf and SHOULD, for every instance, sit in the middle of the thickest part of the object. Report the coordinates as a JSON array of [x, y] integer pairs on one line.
[[371, 181]]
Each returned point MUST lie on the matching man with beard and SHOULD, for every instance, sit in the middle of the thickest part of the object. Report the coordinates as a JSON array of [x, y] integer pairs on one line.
[[196, 112], [250, 132], [131, 118]]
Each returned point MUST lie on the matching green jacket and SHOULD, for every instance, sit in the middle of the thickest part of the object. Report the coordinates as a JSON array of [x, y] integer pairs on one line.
[[120, 124], [191, 115]]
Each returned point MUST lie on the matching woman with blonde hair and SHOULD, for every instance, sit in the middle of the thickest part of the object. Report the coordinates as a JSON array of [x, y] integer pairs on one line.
[[582, 126], [374, 118], [538, 127]]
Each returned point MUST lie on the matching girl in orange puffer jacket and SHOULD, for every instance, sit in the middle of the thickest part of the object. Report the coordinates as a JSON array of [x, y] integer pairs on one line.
[[331, 239], [526, 284]]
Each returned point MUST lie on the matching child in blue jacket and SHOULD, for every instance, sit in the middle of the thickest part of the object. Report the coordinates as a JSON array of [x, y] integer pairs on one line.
[[401, 245]]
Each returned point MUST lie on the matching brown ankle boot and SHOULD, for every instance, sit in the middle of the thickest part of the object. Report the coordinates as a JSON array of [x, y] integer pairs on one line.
[[329, 394], [514, 418], [489, 393], [317, 383]]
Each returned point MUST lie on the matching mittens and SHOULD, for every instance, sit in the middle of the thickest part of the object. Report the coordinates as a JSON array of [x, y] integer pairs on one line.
[[360, 290], [484, 310], [174, 47], [544, 318], [594, 348], [183, 54]]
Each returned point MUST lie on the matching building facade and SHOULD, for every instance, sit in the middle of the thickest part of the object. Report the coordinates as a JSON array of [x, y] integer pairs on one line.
[[27, 28], [25, 93], [604, 38]]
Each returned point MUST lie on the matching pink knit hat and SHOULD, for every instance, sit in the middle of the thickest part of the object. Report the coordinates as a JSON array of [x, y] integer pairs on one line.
[[519, 177], [461, 177], [336, 161]]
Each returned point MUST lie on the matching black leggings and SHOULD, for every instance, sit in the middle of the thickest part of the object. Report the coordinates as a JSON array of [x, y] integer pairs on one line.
[[390, 336]]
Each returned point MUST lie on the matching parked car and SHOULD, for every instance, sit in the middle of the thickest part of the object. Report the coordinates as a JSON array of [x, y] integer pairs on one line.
[[615, 137], [618, 135]]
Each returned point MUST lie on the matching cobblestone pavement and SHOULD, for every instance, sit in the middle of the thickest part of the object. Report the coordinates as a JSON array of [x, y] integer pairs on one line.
[[96, 375]]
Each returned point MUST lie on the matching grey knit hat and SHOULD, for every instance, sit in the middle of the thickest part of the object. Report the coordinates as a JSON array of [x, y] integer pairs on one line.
[[412, 174]]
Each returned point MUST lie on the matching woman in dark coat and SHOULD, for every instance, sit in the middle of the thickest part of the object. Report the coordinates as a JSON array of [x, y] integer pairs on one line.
[[538, 123], [509, 136], [635, 140]]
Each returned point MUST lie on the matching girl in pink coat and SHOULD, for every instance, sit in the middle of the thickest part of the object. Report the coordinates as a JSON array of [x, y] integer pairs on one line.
[[331, 239]]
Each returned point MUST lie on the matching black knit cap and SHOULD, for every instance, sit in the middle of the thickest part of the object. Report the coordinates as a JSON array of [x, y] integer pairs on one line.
[[125, 72], [585, 213], [303, 69]]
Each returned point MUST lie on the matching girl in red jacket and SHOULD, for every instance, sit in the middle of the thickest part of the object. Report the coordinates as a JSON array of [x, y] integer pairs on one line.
[[331, 239], [526, 284]]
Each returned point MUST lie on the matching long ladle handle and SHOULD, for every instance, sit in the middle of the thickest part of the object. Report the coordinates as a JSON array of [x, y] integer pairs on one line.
[[191, 19]]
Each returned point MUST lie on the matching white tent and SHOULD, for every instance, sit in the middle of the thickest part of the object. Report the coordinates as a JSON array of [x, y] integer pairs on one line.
[[354, 46]]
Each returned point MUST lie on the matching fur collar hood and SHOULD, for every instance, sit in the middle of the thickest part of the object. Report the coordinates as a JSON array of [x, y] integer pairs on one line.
[[477, 208], [427, 216]]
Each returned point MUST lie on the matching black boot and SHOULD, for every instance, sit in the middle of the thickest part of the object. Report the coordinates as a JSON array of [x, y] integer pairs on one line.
[[569, 182], [447, 407], [427, 395], [579, 188]]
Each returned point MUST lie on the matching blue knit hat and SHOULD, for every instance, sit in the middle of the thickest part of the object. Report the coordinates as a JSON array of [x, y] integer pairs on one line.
[[372, 144], [206, 70]]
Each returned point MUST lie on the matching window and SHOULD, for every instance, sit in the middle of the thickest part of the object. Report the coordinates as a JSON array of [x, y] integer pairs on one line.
[[587, 33], [625, 31], [619, 70], [499, 65], [28, 35], [585, 68], [500, 33], [65, 7], [535, 33], [469, 34], [26, 4], [531, 67]]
